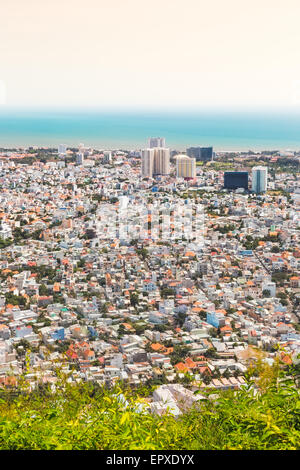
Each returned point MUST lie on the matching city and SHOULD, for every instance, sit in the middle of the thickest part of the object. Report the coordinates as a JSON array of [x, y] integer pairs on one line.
[[167, 309]]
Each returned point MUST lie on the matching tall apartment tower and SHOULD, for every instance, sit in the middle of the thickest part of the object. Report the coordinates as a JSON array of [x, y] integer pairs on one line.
[[80, 157], [185, 166], [107, 156], [155, 161], [259, 179], [161, 161], [62, 150], [157, 142], [147, 162]]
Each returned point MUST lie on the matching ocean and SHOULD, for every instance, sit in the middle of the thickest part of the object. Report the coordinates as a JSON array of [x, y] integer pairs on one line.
[[131, 130]]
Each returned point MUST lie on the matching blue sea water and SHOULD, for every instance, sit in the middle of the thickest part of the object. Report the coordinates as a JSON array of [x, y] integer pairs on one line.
[[131, 130]]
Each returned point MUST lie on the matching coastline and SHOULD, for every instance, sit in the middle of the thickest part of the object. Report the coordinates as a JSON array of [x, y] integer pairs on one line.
[[226, 132]]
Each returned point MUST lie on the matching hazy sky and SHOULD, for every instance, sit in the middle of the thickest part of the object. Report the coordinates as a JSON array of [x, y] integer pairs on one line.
[[150, 53]]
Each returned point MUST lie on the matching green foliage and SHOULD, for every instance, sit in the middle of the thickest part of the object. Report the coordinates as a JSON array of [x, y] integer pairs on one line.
[[84, 416], [15, 299], [180, 318], [5, 243], [179, 353], [134, 298], [43, 290], [142, 252], [266, 293], [166, 292]]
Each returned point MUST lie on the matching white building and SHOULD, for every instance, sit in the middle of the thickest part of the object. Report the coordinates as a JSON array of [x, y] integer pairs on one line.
[[62, 150], [259, 179], [161, 165], [157, 142], [5, 231], [270, 286], [107, 156], [147, 162], [80, 158]]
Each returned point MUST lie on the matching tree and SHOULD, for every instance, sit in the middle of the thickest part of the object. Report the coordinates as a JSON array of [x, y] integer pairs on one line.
[[166, 292], [43, 290], [180, 318], [104, 308], [179, 353], [134, 299], [139, 329], [211, 353], [266, 293], [142, 252], [81, 263], [121, 330], [206, 378]]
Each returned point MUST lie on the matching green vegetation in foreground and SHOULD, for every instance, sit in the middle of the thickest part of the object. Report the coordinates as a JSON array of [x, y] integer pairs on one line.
[[84, 417]]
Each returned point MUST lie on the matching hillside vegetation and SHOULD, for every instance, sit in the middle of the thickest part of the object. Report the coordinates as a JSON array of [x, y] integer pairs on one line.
[[84, 417]]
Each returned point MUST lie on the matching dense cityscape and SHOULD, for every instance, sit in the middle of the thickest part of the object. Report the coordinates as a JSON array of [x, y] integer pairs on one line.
[[181, 310]]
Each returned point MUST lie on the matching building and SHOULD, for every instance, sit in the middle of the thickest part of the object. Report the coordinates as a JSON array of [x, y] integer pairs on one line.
[[161, 164], [147, 162], [185, 167], [80, 158], [215, 319], [271, 287], [259, 179], [5, 231], [62, 150], [157, 142], [235, 179], [155, 161], [202, 154], [107, 156]]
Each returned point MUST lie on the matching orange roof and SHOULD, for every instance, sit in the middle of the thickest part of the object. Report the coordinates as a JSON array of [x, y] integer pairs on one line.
[[12, 306], [190, 363], [226, 328], [286, 358], [157, 346], [181, 367], [190, 253]]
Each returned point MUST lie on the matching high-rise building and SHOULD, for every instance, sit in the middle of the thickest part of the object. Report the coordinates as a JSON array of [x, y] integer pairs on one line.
[[259, 179], [147, 162], [235, 179], [161, 164], [155, 161], [80, 158], [185, 166], [203, 154], [62, 149], [157, 142], [107, 156]]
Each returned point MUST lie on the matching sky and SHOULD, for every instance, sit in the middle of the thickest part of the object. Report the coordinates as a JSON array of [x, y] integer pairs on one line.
[[154, 54]]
